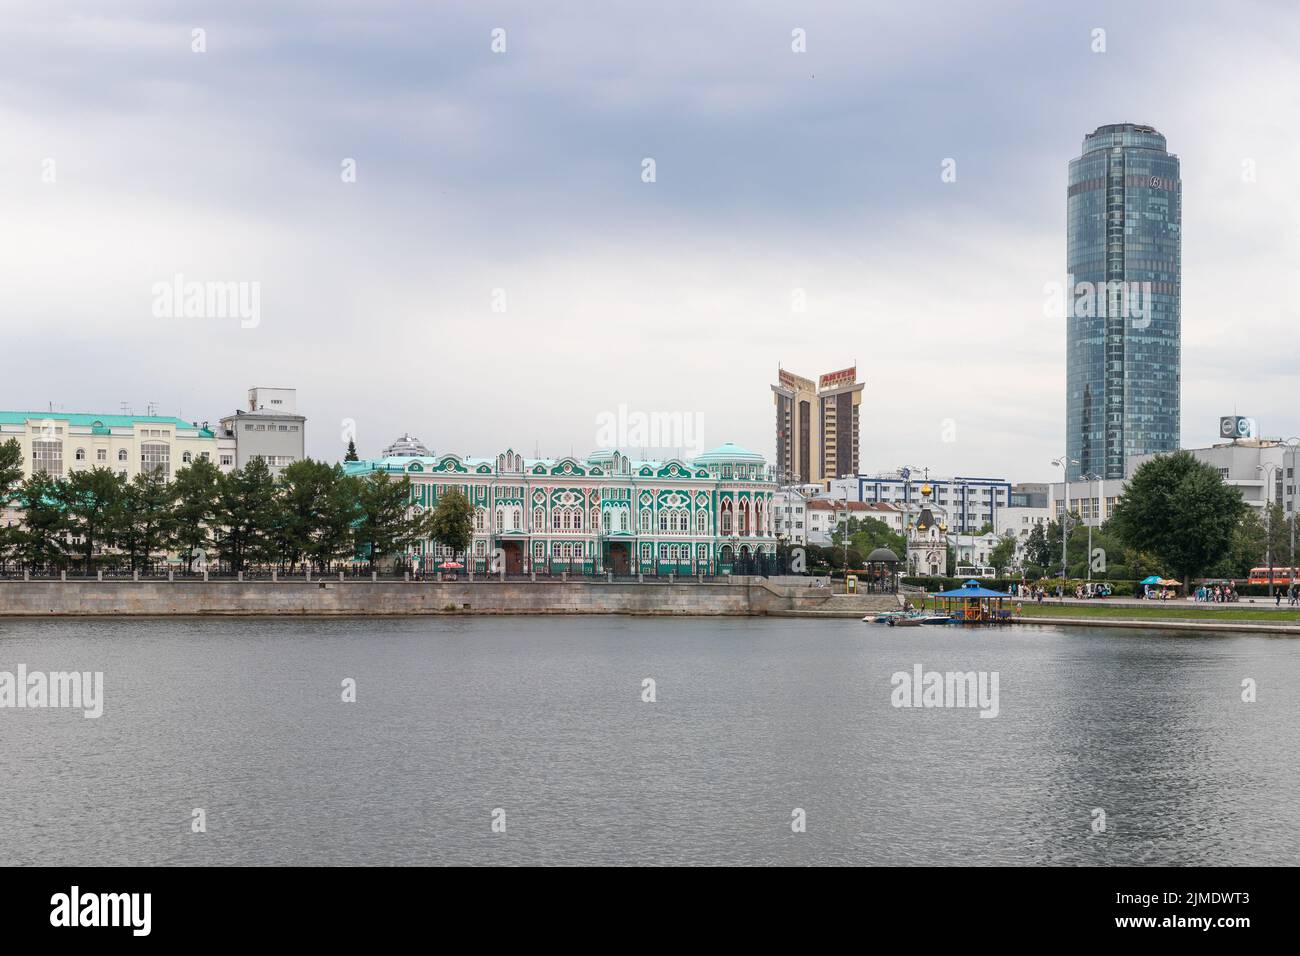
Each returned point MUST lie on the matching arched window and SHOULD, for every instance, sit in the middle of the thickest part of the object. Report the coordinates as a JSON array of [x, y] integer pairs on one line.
[[622, 520], [187, 457], [539, 518], [121, 454], [577, 519], [514, 519], [645, 519], [555, 519], [478, 519], [701, 522], [155, 458], [81, 454]]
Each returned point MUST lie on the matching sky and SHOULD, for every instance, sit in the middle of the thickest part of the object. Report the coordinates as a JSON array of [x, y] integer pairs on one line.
[[460, 242]]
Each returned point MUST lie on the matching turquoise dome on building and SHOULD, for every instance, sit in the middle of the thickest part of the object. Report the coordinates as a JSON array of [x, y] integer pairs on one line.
[[729, 452]]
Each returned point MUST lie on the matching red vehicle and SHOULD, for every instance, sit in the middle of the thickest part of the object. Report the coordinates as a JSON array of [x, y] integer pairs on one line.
[[1280, 575]]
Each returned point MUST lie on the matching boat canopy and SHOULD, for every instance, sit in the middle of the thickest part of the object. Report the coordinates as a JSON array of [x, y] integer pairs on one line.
[[972, 589]]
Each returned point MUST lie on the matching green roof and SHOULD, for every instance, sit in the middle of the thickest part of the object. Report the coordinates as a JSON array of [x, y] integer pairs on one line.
[[730, 451], [89, 420]]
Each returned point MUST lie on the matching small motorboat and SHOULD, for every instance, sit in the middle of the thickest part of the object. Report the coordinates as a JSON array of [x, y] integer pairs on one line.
[[907, 620], [937, 619]]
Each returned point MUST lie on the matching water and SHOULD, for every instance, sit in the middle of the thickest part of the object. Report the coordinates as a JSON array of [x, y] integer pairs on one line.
[[543, 718]]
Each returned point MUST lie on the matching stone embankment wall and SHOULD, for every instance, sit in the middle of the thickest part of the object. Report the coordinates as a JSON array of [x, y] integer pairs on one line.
[[353, 597]]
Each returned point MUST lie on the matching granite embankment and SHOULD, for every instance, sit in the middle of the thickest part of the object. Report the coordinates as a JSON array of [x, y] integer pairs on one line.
[[364, 597]]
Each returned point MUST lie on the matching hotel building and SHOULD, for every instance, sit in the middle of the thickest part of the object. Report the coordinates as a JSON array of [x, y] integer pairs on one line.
[[816, 426]]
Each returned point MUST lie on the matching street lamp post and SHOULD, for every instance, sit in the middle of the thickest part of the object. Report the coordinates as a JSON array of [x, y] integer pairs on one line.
[[1095, 513], [1269, 471], [1064, 462]]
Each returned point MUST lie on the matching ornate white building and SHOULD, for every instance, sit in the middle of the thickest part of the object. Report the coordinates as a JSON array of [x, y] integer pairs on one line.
[[608, 512]]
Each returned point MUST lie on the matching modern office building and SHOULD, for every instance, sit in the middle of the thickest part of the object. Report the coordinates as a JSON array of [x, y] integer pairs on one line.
[[605, 512], [968, 504], [816, 426], [1123, 300], [269, 428]]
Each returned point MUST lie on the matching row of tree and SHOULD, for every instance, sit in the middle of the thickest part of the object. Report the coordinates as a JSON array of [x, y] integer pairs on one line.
[[310, 515]]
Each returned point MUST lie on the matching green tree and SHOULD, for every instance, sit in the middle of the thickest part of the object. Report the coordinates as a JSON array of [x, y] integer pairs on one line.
[[868, 534], [92, 506], [451, 523], [11, 473], [385, 525], [195, 510], [352, 451], [1003, 555], [334, 537], [1037, 550], [245, 511], [41, 539], [1180, 510], [303, 488], [148, 518], [11, 468]]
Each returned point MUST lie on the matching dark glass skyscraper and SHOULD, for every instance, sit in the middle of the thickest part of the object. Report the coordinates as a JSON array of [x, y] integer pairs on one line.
[[1123, 318]]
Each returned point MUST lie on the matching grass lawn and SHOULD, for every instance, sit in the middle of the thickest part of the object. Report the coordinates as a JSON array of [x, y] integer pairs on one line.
[[1167, 612]]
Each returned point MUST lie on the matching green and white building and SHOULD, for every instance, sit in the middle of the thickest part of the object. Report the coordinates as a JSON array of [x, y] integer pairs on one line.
[[607, 512]]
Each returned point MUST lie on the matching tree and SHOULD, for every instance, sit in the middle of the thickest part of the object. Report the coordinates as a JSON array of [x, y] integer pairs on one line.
[[451, 523], [148, 518], [334, 537], [11, 468], [1003, 555], [352, 451], [11, 473], [196, 501], [244, 514], [1037, 550], [868, 534], [41, 540], [302, 489], [92, 505], [1180, 510], [385, 525]]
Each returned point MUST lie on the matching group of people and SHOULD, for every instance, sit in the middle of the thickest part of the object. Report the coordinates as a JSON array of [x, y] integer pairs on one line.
[[1091, 590], [1032, 591], [1217, 594]]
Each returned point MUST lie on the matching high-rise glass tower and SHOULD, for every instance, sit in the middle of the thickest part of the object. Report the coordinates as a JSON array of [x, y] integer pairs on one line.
[[1123, 322]]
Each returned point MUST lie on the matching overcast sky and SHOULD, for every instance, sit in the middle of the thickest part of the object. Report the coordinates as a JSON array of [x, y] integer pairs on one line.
[[522, 171]]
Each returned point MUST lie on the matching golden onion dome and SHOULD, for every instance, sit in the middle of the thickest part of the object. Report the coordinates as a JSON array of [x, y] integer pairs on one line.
[[925, 490]]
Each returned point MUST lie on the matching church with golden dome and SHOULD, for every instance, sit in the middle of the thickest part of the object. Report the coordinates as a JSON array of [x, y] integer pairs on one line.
[[927, 537]]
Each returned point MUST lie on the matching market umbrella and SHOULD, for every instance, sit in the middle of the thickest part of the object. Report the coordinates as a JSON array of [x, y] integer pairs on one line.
[[1171, 581], [1153, 579], [451, 565]]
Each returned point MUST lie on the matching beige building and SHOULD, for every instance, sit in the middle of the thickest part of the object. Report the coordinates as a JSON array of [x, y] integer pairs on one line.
[[817, 426], [60, 443]]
